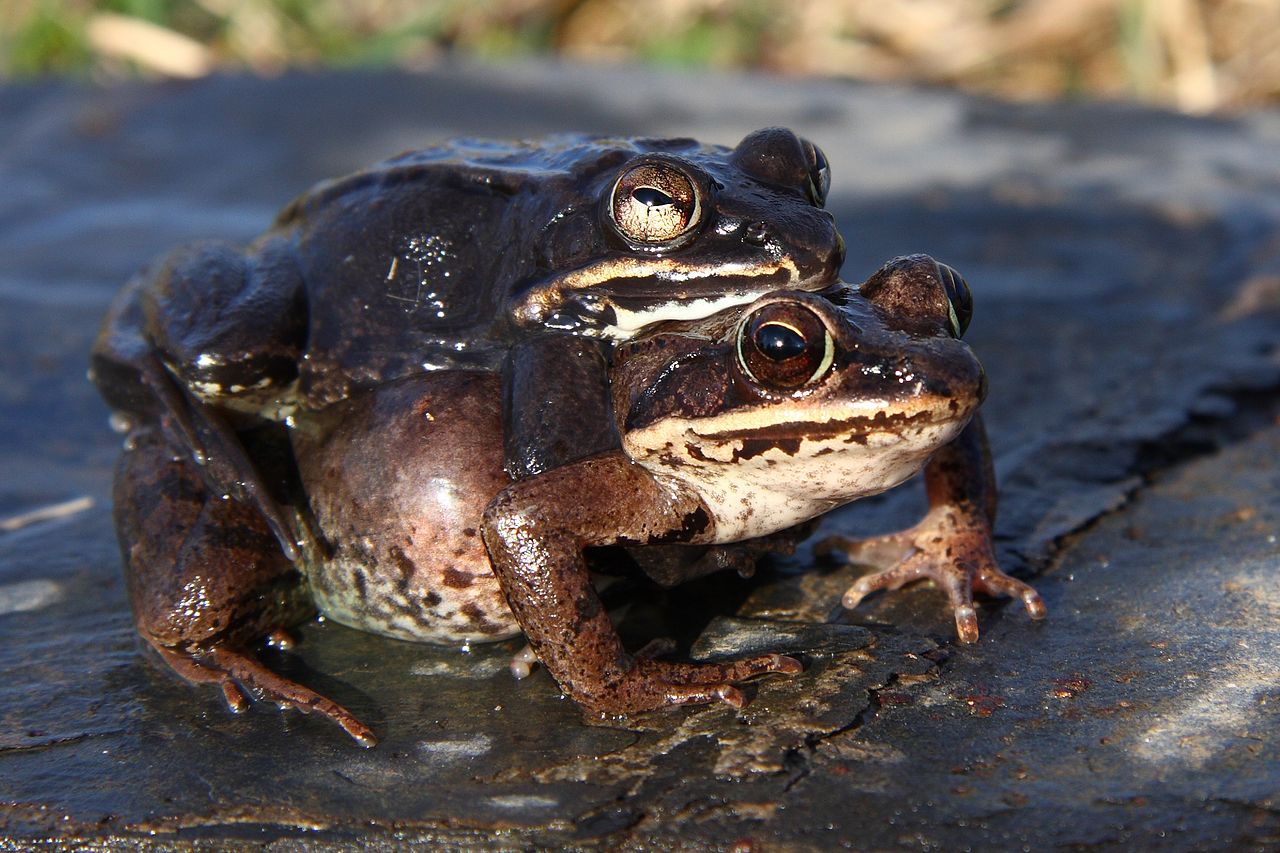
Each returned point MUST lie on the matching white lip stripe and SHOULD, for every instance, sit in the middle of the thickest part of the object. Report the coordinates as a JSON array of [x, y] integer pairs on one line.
[[534, 306], [761, 420], [628, 322]]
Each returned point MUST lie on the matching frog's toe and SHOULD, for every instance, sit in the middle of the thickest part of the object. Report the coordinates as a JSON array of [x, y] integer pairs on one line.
[[731, 696], [523, 662], [237, 700], [722, 676], [729, 671], [652, 684], [955, 580], [895, 578], [246, 673], [950, 547], [702, 694], [780, 663], [189, 668], [959, 578], [992, 581]]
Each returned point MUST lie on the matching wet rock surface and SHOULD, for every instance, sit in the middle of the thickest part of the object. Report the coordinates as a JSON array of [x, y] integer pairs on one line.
[[1126, 266]]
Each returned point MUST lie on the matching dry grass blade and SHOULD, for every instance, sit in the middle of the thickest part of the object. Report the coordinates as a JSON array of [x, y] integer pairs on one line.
[[151, 46]]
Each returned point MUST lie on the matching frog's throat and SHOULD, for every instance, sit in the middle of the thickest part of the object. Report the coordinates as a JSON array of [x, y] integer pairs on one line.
[[657, 289], [759, 478]]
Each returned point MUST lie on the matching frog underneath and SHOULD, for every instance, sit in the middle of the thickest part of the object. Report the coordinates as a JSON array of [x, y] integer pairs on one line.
[[725, 430]]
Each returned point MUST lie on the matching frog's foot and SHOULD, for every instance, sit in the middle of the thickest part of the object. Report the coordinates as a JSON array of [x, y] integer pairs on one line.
[[657, 684], [242, 679], [208, 581], [948, 546], [652, 684]]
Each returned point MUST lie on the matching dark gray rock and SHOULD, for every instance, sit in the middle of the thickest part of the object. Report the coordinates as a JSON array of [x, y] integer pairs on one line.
[[1125, 263]]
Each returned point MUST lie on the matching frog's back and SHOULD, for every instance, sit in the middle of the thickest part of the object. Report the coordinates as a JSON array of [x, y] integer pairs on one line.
[[408, 264]]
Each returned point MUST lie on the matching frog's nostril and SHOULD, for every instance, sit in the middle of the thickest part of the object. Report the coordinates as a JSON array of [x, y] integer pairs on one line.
[[756, 233]]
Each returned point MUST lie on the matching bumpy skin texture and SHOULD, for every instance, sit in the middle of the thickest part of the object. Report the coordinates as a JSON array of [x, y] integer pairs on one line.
[[429, 493]]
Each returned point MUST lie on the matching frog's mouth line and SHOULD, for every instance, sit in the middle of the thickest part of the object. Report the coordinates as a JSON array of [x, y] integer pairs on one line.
[[624, 295]]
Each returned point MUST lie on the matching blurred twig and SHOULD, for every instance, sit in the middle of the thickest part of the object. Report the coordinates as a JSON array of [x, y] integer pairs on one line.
[[150, 45]]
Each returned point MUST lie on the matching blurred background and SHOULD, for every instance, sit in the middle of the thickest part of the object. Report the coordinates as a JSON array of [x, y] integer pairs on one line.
[[1192, 55]]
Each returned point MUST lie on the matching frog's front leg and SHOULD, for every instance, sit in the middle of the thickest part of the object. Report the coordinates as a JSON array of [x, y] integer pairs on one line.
[[208, 582], [556, 404], [536, 531], [951, 545]]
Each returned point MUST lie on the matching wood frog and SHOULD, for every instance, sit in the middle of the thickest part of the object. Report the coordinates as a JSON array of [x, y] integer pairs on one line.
[[430, 462]]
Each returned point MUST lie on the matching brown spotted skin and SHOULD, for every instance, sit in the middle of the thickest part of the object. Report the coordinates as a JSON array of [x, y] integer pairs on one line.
[[536, 541], [397, 481]]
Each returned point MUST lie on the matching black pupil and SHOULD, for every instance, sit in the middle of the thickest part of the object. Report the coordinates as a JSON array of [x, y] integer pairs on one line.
[[779, 342], [651, 196]]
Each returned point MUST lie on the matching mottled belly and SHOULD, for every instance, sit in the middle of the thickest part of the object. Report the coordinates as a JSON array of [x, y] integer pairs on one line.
[[397, 481], [379, 586]]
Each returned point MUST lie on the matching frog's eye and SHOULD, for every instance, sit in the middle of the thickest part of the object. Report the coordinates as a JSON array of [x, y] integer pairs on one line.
[[785, 346], [655, 203], [819, 175], [917, 294], [959, 299]]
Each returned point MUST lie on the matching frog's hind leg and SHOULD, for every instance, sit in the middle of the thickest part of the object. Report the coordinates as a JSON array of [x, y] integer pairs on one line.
[[208, 581], [203, 344]]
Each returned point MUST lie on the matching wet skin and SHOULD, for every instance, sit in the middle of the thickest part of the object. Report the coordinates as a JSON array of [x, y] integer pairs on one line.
[[461, 257], [272, 462]]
